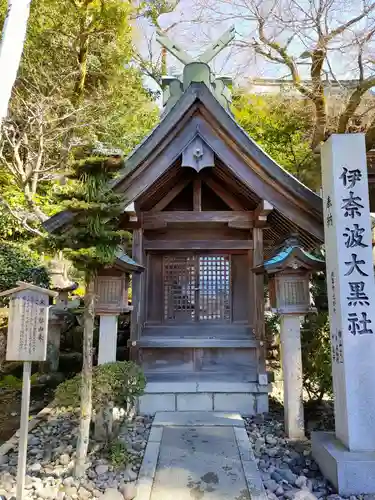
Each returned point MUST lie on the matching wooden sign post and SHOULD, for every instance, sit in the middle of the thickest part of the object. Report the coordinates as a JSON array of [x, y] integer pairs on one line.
[[27, 342]]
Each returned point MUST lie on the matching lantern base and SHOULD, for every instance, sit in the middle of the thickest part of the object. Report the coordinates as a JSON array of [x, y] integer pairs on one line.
[[352, 473]]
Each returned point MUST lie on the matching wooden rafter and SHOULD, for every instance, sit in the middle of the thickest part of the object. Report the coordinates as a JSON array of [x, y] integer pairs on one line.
[[175, 191], [223, 194]]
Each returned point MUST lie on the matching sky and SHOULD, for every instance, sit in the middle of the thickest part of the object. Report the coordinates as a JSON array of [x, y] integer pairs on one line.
[[208, 26]]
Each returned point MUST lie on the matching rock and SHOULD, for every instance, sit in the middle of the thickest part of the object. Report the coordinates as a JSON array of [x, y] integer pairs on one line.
[[309, 485], [129, 491], [70, 490], [4, 459], [320, 493], [36, 467], [101, 469], [258, 445], [304, 495], [270, 439], [112, 494], [271, 485], [64, 459], [272, 452], [130, 475], [290, 494], [288, 475], [139, 445], [271, 496], [69, 481], [48, 492], [301, 482], [279, 491], [276, 476], [91, 474], [83, 493]]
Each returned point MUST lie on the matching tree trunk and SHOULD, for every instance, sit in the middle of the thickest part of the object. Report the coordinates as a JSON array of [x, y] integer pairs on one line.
[[86, 384], [11, 48]]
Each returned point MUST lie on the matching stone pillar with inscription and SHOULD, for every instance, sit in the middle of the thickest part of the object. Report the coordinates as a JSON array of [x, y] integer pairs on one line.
[[347, 457]]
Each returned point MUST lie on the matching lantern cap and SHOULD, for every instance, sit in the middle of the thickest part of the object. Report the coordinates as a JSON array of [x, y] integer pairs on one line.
[[126, 263], [293, 256]]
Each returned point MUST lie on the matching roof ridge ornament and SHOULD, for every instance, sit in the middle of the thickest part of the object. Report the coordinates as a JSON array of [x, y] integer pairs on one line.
[[196, 71]]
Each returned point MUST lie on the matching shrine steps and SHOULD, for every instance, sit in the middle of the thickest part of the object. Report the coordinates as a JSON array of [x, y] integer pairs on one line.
[[203, 392]]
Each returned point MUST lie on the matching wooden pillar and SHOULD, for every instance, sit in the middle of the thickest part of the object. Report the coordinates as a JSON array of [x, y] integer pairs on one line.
[[138, 284], [258, 299], [197, 195]]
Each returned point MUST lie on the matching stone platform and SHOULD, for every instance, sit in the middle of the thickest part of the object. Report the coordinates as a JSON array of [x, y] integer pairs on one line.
[[196, 455], [352, 473], [246, 398]]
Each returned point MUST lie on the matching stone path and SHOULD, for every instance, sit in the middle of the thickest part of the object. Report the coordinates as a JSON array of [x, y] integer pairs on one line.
[[199, 456]]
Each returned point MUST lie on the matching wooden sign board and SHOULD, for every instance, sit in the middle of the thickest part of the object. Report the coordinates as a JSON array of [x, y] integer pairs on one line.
[[27, 323]]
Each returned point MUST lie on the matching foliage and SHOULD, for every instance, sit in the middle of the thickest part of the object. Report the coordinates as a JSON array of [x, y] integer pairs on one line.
[[75, 85], [153, 9], [283, 127], [119, 455], [11, 382], [316, 344], [18, 263], [90, 241], [93, 238], [119, 383]]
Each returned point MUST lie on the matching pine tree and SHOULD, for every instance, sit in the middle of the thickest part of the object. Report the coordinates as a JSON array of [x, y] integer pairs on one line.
[[90, 242]]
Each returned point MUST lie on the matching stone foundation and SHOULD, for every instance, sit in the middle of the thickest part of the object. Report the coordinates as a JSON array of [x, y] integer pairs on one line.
[[244, 398], [352, 473]]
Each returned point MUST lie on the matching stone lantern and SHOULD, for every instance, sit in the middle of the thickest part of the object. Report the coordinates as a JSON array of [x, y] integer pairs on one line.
[[111, 290], [289, 273]]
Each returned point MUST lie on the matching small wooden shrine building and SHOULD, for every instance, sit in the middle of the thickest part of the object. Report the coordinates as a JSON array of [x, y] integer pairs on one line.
[[206, 205]]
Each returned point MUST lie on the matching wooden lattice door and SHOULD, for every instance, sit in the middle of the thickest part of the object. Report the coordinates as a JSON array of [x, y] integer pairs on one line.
[[196, 288]]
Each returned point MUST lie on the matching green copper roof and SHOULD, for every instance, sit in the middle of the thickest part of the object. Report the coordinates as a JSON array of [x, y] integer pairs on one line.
[[286, 252], [292, 248], [127, 262], [196, 71]]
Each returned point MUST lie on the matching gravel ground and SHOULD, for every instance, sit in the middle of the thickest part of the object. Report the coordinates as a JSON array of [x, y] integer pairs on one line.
[[51, 452], [287, 468], [10, 409]]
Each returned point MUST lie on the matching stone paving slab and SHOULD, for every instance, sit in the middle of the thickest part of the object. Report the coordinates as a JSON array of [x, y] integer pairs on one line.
[[199, 463], [198, 419], [199, 456]]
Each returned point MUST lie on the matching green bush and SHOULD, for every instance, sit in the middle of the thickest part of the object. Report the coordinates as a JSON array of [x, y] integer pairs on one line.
[[118, 454], [316, 344], [117, 384], [18, 263], [11, 382]]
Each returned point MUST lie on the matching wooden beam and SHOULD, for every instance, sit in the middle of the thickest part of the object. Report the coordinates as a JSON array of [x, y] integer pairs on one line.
[[161, 219], [138, 287], [258, 301], [261, 213], [198, 245], [197, 195], [224, 195], [176, 190]]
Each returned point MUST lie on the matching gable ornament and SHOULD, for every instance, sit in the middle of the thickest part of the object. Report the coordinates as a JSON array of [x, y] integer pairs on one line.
[[198, 155]]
